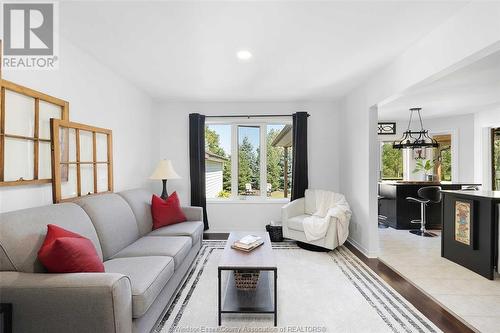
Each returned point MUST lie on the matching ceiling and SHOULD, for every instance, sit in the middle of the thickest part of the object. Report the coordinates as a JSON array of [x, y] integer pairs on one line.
[[301, 50], [471, 89]]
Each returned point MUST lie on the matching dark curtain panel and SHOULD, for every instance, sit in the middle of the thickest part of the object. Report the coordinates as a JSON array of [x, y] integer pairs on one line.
[[197, 163], [300, 179]]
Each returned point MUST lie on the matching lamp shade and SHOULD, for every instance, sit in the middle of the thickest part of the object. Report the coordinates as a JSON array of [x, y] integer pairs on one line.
[[164, 170]]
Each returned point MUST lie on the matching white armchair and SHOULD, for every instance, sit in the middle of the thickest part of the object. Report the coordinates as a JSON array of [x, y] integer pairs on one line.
[[294, 213]]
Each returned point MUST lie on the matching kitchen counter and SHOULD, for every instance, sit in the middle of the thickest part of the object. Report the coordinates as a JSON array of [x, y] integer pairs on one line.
[[399, 211], [478, 249]]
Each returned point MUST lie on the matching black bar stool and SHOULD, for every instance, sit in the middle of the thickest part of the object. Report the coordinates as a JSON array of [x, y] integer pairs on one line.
[[427, 195], [382, 219]]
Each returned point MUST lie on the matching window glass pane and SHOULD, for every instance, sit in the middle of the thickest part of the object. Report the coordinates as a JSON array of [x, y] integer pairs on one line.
[[45, 112], [496, 159], [20, 156], [102, 177], [68, 181], [218, 161], [87, 178], [442, 165], [67, 142], [44, 161], [248, 161], [102, 147], [19, 114], [86, 147], [392, 162], [279, 160]]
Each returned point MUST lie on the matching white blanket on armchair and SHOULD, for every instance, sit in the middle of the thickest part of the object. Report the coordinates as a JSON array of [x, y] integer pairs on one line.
[[330, 208]]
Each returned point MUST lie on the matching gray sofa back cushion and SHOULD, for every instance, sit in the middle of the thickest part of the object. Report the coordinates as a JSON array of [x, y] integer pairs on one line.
[[140, 202], [22, 233], [113, 220]]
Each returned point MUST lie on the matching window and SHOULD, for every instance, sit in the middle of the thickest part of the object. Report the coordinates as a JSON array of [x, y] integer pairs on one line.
[[496, 158], [83, 160], [279, 160], [248, 160], [25, 151], [391, 162], [218, 161], [443, 165]]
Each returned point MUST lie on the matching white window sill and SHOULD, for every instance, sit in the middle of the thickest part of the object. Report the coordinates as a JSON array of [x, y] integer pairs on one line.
[[247, 201]]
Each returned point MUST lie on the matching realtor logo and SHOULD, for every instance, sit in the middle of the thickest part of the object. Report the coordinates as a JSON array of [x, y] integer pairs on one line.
[[29, 35]]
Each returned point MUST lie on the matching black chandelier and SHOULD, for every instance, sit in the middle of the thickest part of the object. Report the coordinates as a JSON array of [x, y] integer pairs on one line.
[[415, 139]]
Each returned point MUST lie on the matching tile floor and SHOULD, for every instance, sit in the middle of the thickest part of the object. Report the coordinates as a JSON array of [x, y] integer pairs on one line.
[[470, 296]]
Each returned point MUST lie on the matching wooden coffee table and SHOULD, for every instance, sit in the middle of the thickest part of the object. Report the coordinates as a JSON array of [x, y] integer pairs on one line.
[[261, 300]]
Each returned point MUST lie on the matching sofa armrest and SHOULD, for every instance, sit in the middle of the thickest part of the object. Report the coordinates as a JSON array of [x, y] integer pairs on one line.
[[193, 213], [75, 302]]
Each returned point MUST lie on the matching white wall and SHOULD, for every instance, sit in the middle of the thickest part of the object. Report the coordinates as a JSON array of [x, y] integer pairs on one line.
[[472, 33], [99, 97], [462, 129], [483, 122], [324, 159]]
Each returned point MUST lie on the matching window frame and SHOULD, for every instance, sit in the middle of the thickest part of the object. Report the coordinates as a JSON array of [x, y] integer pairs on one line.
[[262, 123], [37, 96], [55, 125]]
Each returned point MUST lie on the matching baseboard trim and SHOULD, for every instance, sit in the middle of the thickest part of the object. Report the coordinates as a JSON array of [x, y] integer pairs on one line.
[[362, 249]]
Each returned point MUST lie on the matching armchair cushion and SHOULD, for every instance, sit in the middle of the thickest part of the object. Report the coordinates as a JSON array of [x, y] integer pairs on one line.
[[297, 222]]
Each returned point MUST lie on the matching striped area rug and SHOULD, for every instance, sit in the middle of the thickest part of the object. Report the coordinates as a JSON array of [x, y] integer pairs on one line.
[[317, 292]]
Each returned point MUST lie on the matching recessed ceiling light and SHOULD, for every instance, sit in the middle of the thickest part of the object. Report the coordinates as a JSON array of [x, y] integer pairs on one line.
[[244, 55]]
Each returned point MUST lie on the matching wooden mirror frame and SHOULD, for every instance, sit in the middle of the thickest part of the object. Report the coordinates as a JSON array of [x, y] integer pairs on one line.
[[55, 125], [37, 96]]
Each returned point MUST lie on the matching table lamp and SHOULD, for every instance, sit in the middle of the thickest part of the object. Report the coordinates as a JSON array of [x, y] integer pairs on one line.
[[164, 171]]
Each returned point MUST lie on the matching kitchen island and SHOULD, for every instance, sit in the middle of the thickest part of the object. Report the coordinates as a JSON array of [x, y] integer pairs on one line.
[[399, 211], [470, 230]]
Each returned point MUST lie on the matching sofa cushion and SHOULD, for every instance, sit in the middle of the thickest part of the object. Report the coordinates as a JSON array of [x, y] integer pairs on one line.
[[310, 202], [191, 229], [166, 212], [139, 201], [148, 276], [176, 247], [64, 251], [113, 219], [22, 233], [295, 223]]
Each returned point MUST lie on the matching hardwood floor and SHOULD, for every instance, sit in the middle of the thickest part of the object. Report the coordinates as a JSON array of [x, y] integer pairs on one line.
[[443, 319]]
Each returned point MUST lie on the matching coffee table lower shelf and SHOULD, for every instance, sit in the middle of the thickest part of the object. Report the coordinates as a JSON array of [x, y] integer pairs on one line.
[[261, 300]]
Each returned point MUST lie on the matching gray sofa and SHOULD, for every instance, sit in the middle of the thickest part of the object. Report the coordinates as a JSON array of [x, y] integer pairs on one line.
[[143, 267]]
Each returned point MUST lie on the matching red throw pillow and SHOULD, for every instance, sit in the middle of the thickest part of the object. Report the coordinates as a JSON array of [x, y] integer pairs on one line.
[[166, 212], [64, 251]]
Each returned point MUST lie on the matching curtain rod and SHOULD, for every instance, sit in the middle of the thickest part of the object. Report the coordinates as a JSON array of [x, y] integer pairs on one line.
[[253, 116]]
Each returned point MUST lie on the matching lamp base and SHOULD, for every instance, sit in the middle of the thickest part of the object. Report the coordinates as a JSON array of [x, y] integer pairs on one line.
[[164, 194]]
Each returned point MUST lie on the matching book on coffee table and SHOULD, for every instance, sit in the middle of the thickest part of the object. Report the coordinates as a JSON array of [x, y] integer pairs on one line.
[[247, 248], [247, 243]]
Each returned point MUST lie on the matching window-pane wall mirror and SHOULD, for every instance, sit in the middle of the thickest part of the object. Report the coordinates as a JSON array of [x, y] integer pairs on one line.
[[82, 159], [25, 149]]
